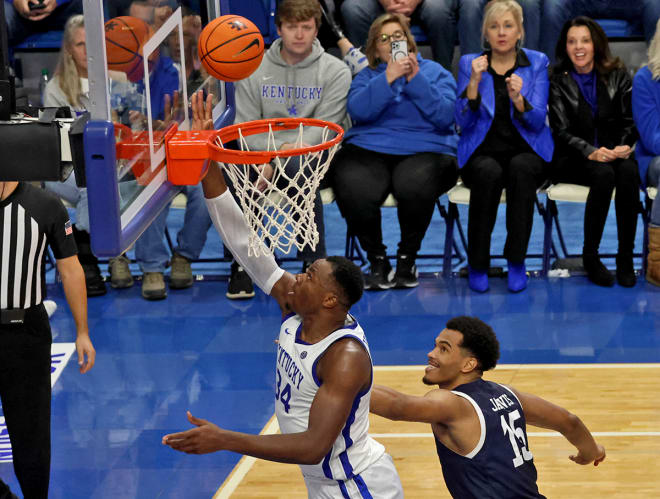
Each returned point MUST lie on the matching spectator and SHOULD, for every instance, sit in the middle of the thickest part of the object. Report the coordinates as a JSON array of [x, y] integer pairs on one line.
[[591, 116], [646, 112], [23, 21], [293, 64], [151, 251], [437, 18], [470, 18], [505, 143], [352, 56], [192, 28], [556, 12], [70, 87], [403, 142]]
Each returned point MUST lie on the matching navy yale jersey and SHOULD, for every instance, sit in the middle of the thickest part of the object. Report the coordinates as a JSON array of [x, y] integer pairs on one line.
[[501, 465], [296, 385]]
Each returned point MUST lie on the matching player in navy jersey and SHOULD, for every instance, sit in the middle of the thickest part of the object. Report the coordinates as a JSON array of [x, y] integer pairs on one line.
[[479, 426], [323, 366]]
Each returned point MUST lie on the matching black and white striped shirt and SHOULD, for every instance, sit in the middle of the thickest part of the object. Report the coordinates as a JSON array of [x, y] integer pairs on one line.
[[30, 218]]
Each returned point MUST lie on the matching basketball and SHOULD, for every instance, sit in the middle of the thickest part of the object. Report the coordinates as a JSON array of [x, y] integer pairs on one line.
[[124, 38], [230, 48]]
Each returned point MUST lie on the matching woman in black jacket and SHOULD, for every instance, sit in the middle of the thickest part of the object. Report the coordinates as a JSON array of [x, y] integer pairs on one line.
[[591, 117]]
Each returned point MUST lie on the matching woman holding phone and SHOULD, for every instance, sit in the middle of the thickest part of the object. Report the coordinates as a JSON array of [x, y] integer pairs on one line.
[[505, 144], [402, 142]]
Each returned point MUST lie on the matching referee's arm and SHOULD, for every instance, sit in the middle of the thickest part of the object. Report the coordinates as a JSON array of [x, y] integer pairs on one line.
[[73, 281]]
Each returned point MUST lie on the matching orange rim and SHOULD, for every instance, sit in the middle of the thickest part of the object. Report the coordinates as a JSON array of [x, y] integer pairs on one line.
[[231, 132]]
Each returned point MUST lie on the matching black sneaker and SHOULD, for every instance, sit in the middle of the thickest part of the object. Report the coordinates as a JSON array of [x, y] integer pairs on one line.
[[240, 285], [93, 280], [406, 272], [380, 274]]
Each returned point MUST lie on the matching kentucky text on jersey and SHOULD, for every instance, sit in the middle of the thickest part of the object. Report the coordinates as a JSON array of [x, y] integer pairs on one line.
[[282, 92], [285, 361]]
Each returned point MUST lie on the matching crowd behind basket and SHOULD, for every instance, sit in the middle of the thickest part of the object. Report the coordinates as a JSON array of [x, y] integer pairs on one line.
[[538, 98]]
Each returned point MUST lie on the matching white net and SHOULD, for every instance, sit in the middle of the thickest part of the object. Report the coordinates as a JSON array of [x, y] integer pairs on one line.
[[277, 199]]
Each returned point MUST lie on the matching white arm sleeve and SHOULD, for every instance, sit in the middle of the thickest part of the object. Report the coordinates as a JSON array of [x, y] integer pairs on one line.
[[228, 221]]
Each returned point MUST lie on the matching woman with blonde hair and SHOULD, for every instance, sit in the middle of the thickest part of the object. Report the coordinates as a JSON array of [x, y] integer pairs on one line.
[[69, 87], [505, 143], [646, 112], [402, 142], [591, 116]]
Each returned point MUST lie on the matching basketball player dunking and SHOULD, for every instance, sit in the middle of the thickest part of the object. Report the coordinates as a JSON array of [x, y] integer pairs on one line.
[[479, 426], [323, 366]]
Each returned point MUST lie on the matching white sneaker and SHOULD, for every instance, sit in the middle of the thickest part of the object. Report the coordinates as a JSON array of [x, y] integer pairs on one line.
[[50, 306]]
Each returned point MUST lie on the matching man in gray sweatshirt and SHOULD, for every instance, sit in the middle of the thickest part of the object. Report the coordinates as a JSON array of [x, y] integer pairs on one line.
[[296, 79]]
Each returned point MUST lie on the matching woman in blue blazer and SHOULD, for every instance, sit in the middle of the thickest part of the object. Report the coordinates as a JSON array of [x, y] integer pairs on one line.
[[504, 141], [646, 112]]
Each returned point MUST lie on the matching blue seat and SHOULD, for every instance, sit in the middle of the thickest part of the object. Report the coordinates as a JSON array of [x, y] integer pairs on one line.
[[619, 28], [49, 40], [260, 12]]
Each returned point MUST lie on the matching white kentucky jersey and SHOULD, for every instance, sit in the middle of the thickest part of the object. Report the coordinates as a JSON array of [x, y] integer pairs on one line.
[[296, 384]]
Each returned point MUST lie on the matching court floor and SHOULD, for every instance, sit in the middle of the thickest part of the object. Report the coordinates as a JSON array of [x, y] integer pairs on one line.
[[198, 351]]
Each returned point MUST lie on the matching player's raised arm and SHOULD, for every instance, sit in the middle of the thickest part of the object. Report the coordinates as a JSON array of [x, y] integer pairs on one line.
[[544, 414], [228, 218], [345, 371], [437, 406]]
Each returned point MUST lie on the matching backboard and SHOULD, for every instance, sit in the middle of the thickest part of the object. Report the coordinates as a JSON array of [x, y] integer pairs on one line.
[[134, 104]]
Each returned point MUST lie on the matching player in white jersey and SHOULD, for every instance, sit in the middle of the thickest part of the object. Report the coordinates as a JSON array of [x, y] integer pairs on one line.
[[324, 370]]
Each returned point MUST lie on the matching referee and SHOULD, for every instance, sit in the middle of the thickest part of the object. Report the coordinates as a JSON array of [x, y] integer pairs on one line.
[[30, 218]]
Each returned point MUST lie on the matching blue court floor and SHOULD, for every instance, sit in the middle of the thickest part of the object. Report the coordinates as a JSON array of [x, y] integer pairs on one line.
[[198, 351]]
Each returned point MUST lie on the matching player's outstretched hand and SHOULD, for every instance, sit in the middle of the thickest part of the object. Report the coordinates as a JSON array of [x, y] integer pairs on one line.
[[205, 438], [596, 457], [202, 111]]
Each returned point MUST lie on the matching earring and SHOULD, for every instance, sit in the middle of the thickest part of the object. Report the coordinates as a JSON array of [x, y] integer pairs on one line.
[[486, 45], [518, 44]]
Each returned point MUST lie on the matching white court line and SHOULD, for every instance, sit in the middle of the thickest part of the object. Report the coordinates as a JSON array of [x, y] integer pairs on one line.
[[509, 367], [244, 465], [531, 434], [246, 462]]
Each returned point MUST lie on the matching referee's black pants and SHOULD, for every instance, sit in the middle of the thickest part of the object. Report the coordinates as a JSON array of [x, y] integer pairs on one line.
[[25, 394]]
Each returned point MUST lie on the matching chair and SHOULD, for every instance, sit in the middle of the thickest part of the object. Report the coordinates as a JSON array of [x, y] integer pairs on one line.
[[354, 252], [571, 193], [460, 194]]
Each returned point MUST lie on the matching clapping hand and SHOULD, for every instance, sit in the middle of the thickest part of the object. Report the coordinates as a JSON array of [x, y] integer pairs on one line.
[[514, 85], [479, 65]]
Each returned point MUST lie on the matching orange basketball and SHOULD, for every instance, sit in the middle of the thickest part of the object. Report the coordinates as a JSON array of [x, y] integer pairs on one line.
[[124, 38], [230, 47]]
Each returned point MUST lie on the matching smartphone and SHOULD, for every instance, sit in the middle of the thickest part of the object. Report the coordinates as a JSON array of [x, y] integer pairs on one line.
[[37, 5], [399, 50]]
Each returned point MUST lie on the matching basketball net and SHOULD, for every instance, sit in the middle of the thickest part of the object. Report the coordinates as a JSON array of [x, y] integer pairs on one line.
[[280, 210]]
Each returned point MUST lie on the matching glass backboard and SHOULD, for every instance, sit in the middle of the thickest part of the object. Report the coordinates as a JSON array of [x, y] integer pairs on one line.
[[143, 67]]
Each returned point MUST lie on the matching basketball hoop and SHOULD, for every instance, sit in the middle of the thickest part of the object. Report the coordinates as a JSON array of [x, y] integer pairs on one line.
[[278, 209]]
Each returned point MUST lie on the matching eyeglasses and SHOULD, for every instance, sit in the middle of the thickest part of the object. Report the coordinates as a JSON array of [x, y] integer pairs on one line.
[[396, 36]]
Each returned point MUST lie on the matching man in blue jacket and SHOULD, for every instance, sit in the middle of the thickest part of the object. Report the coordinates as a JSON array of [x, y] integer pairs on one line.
[[26, 17]]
